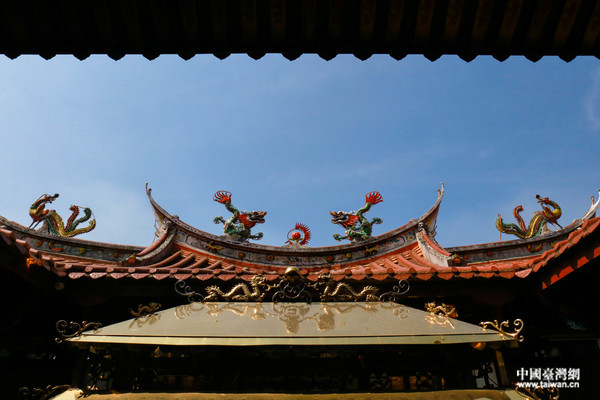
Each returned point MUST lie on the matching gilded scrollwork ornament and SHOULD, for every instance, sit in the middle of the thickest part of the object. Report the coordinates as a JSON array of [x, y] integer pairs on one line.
[[240, 292], [292, 287], [183, 289], [444, 309], [397, 291], [329, 291], [144, 311], [440, 315], [502, 326], [68, 330]]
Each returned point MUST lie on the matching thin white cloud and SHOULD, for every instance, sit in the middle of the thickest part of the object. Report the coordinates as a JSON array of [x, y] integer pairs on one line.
[[591, 101]]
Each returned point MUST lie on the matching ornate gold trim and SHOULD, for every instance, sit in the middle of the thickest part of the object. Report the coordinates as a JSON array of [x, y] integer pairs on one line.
[[329, 291], [143, 311], [240, 292], [445, 310], [500, 327], [186, 290], [292, 287], [68, 330], [398, 290]]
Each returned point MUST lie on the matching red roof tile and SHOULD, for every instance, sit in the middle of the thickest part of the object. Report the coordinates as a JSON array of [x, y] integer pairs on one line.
[[407, 263]]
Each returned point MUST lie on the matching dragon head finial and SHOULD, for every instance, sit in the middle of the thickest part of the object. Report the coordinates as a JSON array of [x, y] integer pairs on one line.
[[251, 218]]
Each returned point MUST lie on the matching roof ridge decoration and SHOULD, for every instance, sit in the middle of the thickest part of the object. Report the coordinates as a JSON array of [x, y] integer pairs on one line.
[[356, 225], [245, 253], [533, 244], [591, 213], [293, 287], [238, 226], [432, 251], [300, 235], [538, 225], [53, 223]]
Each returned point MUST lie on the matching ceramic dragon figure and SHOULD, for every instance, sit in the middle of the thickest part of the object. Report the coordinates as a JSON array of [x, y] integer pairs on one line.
[[53, 223], [538, 224], [356, 225], [239, 225]]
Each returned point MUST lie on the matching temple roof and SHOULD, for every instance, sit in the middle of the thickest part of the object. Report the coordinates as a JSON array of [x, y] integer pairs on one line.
[[407, 253], [408, 264], [566, 28]]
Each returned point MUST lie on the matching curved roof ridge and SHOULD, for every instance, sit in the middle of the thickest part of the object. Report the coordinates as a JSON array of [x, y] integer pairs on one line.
[[553, 236], [420, 259], [591, 213], [23, 230], [431, 251], [203, 242]]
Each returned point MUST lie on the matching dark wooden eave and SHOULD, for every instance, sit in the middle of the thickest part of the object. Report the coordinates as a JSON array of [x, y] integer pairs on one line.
[[468, 28]]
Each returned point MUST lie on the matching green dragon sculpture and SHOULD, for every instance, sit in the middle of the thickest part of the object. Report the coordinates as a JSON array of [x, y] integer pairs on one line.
[[538, 224], [356, 225], [53, 223], [239, 225]]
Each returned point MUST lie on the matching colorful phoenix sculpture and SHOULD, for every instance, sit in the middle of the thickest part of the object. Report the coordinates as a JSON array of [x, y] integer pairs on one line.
[[238, 226], [538, 224], [300, 235], [53, 223], [356, 225]]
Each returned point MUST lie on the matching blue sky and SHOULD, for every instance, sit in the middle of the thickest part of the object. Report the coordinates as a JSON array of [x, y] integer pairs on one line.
[[298, 139]]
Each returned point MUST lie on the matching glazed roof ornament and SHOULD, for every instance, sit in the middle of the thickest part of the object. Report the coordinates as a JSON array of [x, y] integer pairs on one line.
[[538, 226], [299, 236], [356, 225], [238, 226], [53, 224], [404, 254]]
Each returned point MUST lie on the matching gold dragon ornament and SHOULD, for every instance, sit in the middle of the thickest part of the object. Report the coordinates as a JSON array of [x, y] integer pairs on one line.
[[240, 292], [342, 291]]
